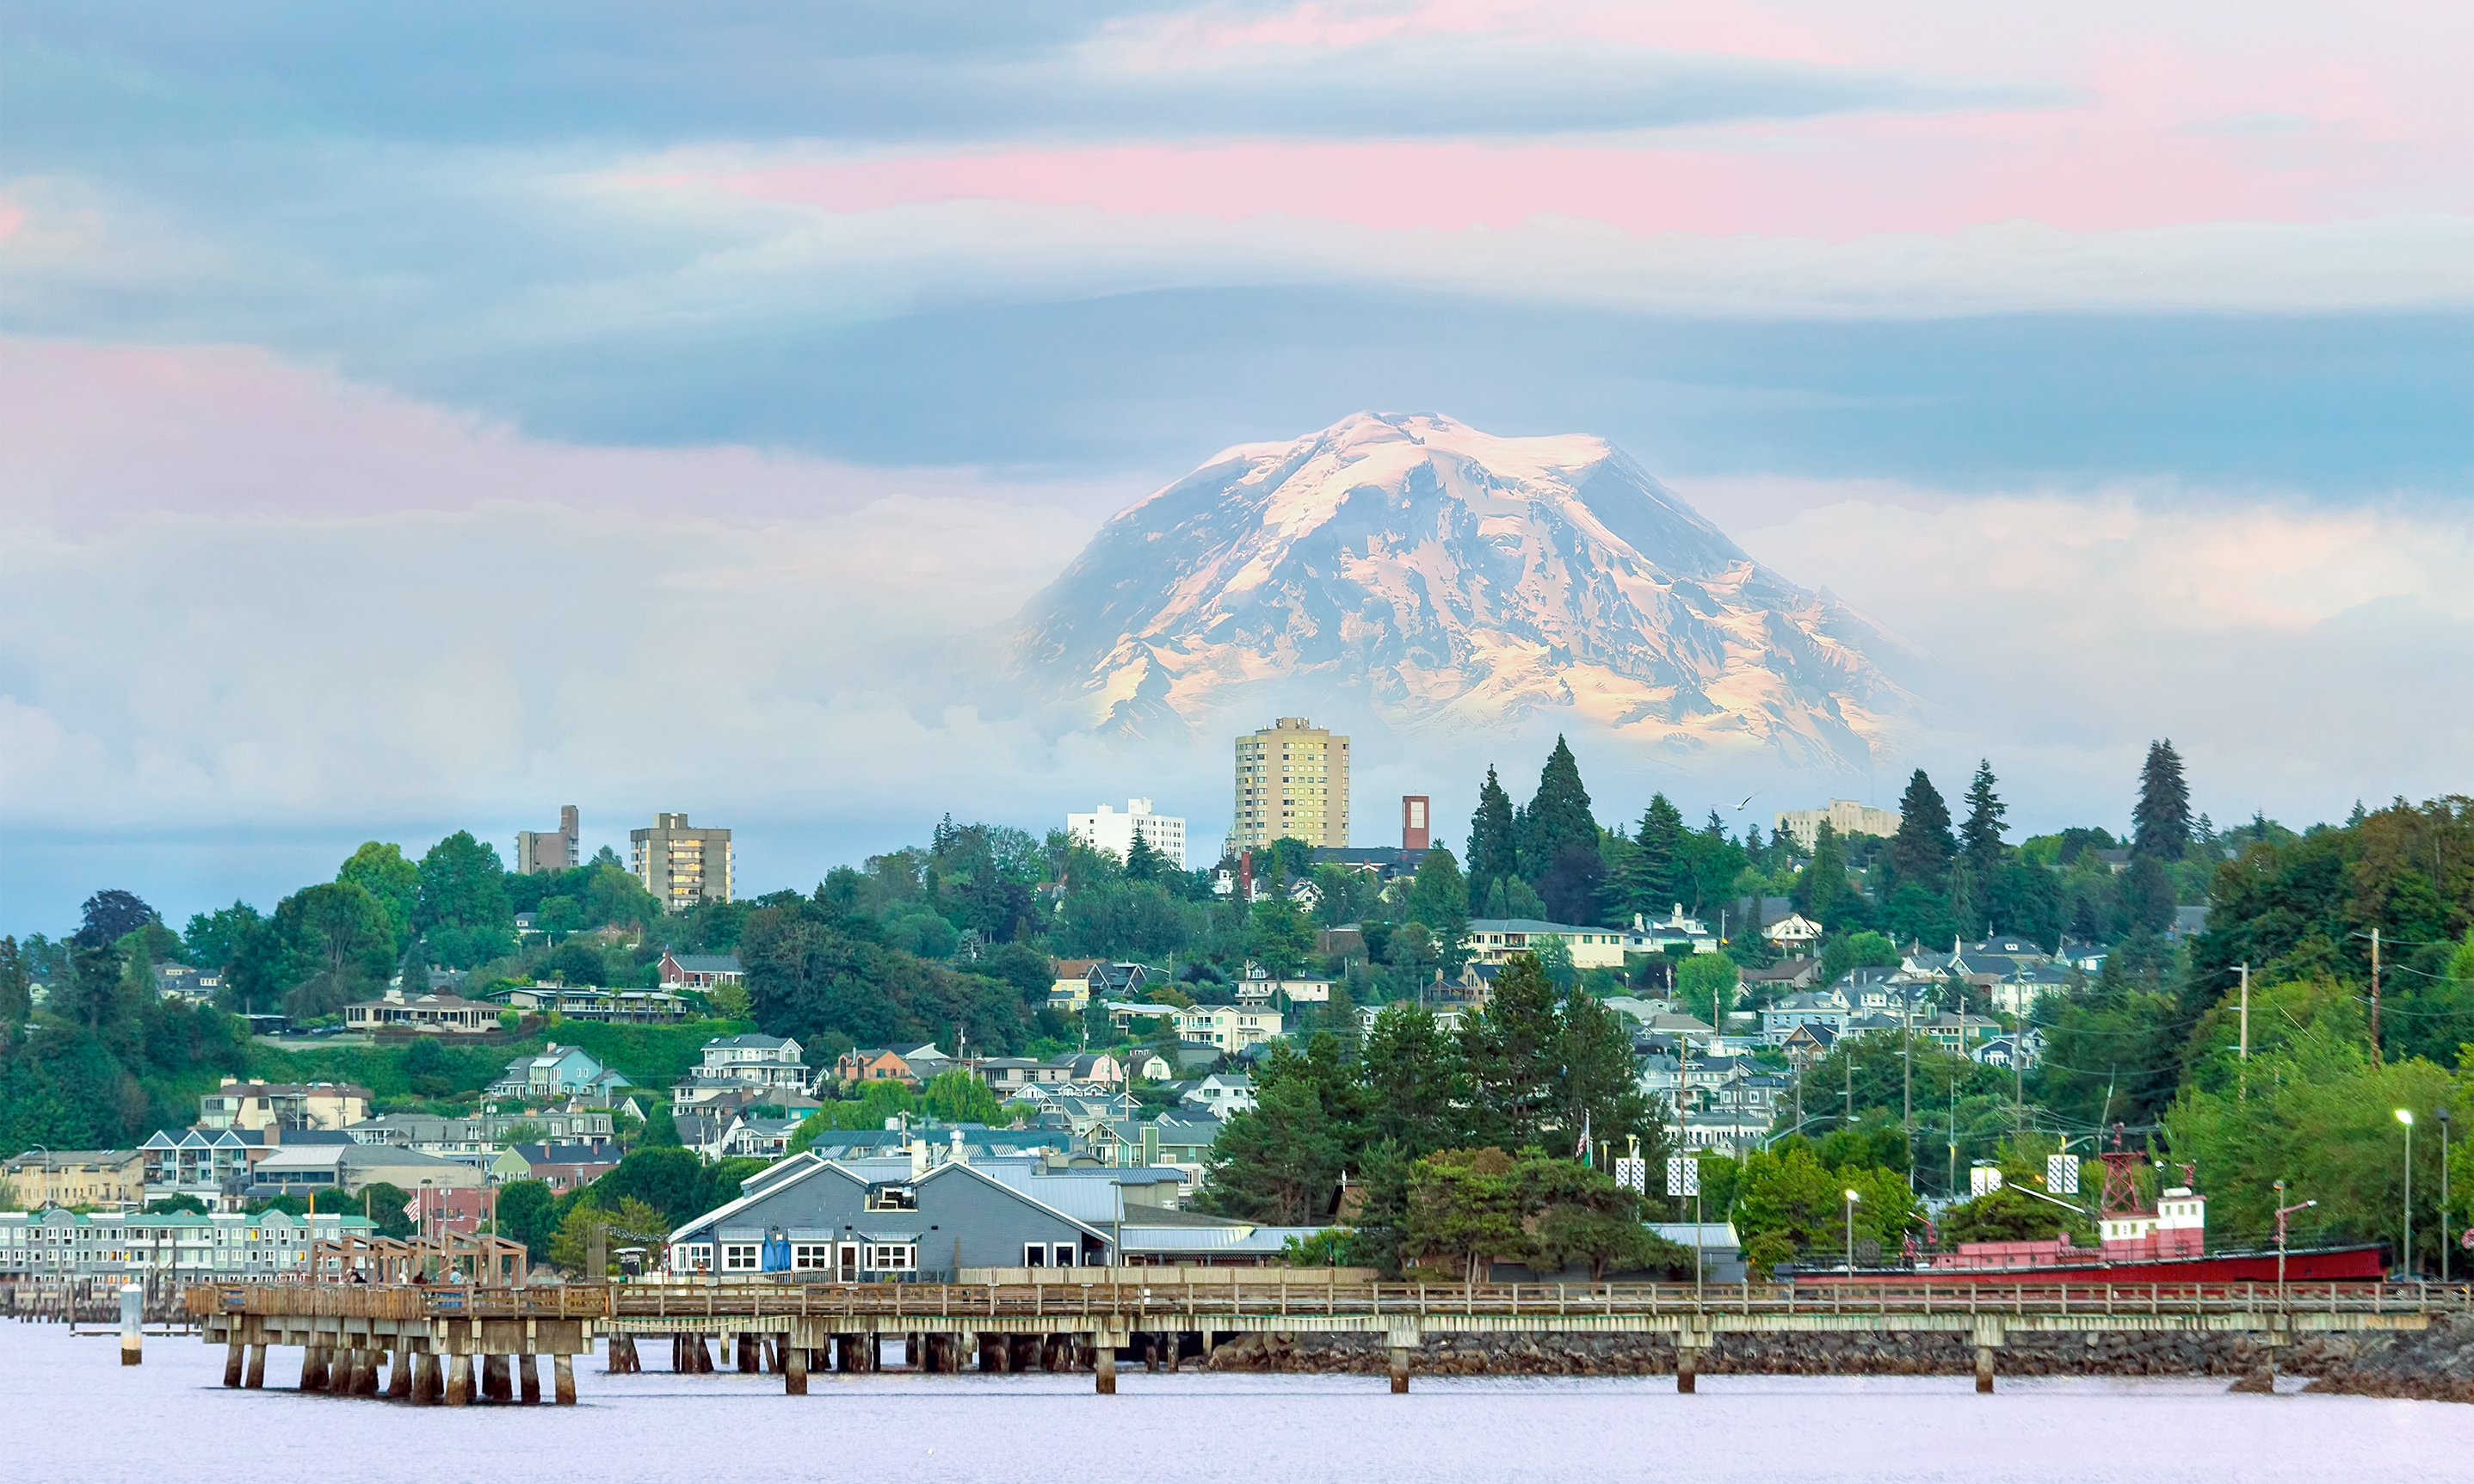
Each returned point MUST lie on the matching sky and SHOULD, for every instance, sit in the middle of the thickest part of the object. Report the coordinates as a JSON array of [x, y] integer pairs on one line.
[[417, 418]]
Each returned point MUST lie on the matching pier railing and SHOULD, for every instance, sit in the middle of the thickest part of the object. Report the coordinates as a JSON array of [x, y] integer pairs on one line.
[[1137, 1304]]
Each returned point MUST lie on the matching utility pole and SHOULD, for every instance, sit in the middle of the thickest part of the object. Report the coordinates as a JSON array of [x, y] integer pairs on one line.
[[2242, 1054], [1954, 1138], [1907, 1077], [2375, 996], [2442, 1112]]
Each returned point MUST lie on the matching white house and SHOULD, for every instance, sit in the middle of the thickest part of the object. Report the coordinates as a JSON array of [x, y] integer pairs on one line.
[[1495, 940]]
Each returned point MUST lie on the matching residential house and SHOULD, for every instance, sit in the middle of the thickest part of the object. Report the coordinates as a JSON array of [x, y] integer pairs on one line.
[[893, 1219], [1785, 976], [1221, 1094], [426, 1014], [263, 1105], [758, 1138], [927, 1062], [347, 1168], [1958, 1033], [1258, 987], [1792, 931], [1667, 934], [587, 1002], [1069, 996], [699, 971], [1124, 1016], [555, 1072], [872, 1063], [1228, 1028], [40, 1178], [1497, 939], [770, 1062], [2009, 1052], [2028, 983], [703, 1132], [1808, 1043], [1723, 1132], [1148, 1065], [1808, 1006], [187, 982], [207, 1165], [564, 1167], [465, 1141], [1006, 1075]]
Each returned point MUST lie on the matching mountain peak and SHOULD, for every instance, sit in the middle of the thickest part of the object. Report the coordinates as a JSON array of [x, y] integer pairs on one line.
[[1449, 576]]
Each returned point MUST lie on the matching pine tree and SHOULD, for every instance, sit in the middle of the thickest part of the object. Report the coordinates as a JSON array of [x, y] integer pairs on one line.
[[1492, 854], [1651, 881], [1824, 877], [1920, 851], [1142, 862], [1558, 819], [1512, 1050], [1983, 832], [2161, 823], [17, 1002]]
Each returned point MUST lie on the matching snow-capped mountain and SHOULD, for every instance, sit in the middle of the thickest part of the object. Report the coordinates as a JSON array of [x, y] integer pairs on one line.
[[1455, 580]]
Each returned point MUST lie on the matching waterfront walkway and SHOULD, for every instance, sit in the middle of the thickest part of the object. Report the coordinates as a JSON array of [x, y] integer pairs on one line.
[[430, 1340]]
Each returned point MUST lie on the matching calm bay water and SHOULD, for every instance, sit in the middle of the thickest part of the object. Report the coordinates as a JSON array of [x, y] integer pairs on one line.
[[73, 1413]]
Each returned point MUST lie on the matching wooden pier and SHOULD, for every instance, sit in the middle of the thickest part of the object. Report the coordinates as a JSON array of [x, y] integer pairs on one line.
[[436, 1343]]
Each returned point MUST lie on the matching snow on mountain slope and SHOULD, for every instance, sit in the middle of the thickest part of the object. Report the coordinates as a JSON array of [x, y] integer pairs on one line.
[[1452, 579]]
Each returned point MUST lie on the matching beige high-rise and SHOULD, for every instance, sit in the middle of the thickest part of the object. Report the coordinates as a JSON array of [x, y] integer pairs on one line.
[[681, 865], [1292, 780]]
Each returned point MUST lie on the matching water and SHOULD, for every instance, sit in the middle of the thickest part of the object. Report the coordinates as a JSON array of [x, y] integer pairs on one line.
[[74, 1413]]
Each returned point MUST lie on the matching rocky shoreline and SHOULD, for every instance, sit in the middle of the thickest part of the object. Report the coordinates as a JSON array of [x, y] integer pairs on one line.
[[2375, 1365]]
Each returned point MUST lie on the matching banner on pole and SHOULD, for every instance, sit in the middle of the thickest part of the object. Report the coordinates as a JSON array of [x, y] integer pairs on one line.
[[1632, 1174], [1682, 1175], [2062, 1174]]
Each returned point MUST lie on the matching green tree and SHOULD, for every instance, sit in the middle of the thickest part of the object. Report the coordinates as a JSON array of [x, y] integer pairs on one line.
[[1279, 1161], [394, 882], [1789, 1193], [956, 1096], [1410, 1067], [2011, 1215], [1278, 936], [526, 1214], [387, 1206], [1494, 851], [2160, 824], [17, 1002], [1437, 902], [1980, 837], [1511, 1049], [1463, 1211], [213, 939], [1857, 950], [1559, 841], [337, 946], [464, 909], [1708, 982], [1921, 850], [1653, 876]]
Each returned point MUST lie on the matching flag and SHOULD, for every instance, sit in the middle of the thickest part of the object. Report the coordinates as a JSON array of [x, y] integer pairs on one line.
[[1586, 1153]]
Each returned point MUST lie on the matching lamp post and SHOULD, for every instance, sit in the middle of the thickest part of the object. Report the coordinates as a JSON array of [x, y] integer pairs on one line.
[[2284, 1211], [1852, 1199], [2405, 1256], [2442, 1114]]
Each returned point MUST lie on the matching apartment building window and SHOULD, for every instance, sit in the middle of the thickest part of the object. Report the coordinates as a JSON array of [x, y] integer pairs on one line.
[[739, 1256], [805, 1256], [892, 1256]]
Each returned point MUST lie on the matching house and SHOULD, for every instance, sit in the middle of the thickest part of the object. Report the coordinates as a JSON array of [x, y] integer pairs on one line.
[[1149, 1066], [428, 1014], [1808, 1006], [699, 971], [1792, 931], [2018, 993], [1665, 935], [1221, 1094], [1496, 939], [927, 1062], [1123, 1014], [1006, 1075], [587, 1003], [347, 1168], [1808, 1043], [209, 1165], [466, 1140], [1068, 996], [770, 1062], [758, 1138], [235, 1104], [1228, 1028], [40, 1178], [557, 1072], [901, 1219], [1957, 1033], [1259, 987], [1096, 1067], [1115, 981], [566, 1167], [2011, 1053], [1786, 976], [872, 1063], [703, 1132], [185, 982]]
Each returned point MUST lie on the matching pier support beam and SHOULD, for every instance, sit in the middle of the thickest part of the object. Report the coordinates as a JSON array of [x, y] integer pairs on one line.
[[400, 1373], [794, 1371], [496, 1383], [1688, 1368], [426, 1388], [256, 1379], [1988, 1339], [365, 1381], [746, 1354], [1104, 1364], [459, 1380], [233, 1358], [1399, 1370], [313, 1368], [563, 1379], [528, 1377]]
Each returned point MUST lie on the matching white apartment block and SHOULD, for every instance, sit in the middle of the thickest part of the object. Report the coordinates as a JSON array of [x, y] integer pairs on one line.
[[1846, 817], [1115, 832]]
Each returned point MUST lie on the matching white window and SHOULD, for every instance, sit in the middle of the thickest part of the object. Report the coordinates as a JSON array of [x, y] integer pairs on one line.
[[1065, 1251], [892, 1256], [739, 1256], [812, 1255], [1034, 1254]]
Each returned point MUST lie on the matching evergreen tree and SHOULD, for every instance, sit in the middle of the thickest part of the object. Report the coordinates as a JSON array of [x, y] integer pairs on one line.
[[16, 990], [1412, 1073], [2161, 823], [413, 974], [1142, 862], [1652, 882], [1920, 851], [1494, 853], [1512, 1050], [1823, 881], [1982, 834], [1558, 818], [1439, 900]]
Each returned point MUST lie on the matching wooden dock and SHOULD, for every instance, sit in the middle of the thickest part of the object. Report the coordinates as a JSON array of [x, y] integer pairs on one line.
[[434, 1341]]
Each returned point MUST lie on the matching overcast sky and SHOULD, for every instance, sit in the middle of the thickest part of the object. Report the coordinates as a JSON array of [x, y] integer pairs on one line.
[[416, 417]]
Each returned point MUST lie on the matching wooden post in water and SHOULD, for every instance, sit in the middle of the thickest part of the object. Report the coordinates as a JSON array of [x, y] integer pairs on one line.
[[1984, 1370], [563, 1379], [400, 1370], [1688, 1366], [428, 1389], [1104, 1362], [459, 1379], [794, 1369], [257, 1380], [132, 1325], [233, 1361], [497, 1384], [1399, 1370], [313, 1367], [528, 1377]]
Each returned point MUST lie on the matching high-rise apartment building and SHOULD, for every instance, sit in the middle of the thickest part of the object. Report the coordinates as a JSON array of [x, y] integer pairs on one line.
[[1844, 816], [1292, 781], [681, 865], [1110, 830], [535, 851]]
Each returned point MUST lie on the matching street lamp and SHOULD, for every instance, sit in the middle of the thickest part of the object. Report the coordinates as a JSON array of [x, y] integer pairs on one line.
[[2441, 1112], [1852, 1199], [2284, 1211], [2405, 1259]]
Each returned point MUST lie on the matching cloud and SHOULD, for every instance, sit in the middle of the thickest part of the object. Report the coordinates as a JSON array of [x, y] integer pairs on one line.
[[2291, 652]]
